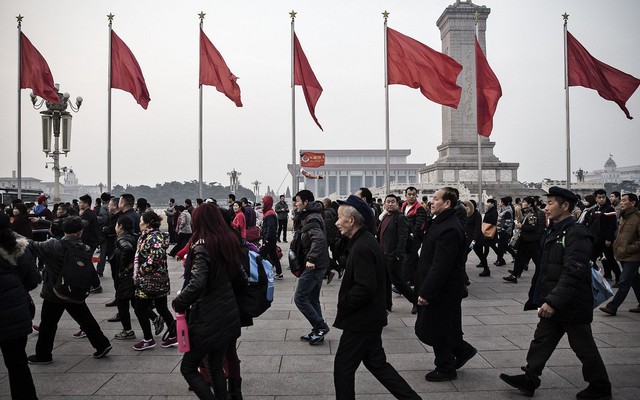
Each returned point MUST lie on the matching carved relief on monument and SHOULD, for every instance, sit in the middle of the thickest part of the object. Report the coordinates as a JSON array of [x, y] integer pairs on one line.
[[432, 177], [489, 175], [468, 87], [468, 175], [448, 175], [505, 175]]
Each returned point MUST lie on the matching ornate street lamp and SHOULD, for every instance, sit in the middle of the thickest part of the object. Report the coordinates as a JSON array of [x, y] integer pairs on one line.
[[56, 120]]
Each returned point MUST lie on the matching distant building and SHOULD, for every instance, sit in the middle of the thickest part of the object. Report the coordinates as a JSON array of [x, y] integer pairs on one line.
[[69, 189], [611, 173], [345, 171]]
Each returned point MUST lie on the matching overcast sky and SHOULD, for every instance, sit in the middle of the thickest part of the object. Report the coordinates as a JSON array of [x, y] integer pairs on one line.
[[343, 41]]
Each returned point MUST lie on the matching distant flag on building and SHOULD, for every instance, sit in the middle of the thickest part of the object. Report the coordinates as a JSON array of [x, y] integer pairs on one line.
[[126, 73], [418, 66], [303, 76], [35, 73], [311, 160], [488, 92], [587, 71], [215, 72]]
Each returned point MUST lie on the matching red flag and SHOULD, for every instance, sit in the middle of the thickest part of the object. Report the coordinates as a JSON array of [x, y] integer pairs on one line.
[[214, 71], [585, 70], [416, 65], [126, 73], [488, 92], [311, 160], [309, 175], [35, 73], [303, 76]]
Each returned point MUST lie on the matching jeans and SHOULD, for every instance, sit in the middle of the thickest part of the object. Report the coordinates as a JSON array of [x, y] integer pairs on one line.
[[366, 347], [307, 297], [50, 315], [189, 369], [15, 359], [630, 278]]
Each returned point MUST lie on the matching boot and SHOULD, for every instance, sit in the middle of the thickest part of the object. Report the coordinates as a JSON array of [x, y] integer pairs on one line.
[[486, 272], [234, 388]]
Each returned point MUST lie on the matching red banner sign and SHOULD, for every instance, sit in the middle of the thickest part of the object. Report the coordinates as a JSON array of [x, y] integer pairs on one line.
[[311, 160]]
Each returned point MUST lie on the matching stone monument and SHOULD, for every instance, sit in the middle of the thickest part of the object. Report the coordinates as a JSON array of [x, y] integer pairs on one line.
[[458, 153]]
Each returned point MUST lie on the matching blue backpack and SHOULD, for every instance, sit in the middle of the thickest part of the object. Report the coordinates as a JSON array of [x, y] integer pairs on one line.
[[256, 296]]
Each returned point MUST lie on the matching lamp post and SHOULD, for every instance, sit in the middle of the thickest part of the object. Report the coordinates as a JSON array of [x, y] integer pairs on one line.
[[233, 180], [256, 189], [57, 120]]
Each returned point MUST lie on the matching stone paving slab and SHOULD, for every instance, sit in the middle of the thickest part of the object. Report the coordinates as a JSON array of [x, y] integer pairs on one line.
[[276, 365]]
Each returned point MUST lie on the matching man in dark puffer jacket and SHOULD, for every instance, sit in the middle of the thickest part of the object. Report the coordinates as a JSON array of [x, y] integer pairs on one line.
[[561, 292]]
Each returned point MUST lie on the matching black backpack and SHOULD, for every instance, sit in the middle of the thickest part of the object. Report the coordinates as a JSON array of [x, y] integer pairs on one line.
[[76, 276]]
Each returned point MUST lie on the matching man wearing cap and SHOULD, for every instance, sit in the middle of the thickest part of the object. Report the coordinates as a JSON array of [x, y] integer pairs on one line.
[[440, 285], [53, 252], [561, 292], [312, 248], [362, 307]]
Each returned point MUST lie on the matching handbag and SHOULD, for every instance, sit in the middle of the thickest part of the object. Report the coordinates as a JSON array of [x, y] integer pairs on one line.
[[514, 242], [600, 287], [488, 230]]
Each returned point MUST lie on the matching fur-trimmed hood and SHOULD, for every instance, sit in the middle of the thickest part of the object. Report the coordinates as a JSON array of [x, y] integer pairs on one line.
[[21, 247]]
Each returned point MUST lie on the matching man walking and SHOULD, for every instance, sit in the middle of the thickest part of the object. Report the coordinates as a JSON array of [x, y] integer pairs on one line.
[[312, 249], [627, 249], [90, 234], [282, 210], [416, 216], [53, 253], [440, 285], [601, 222], [561, 292], [392, 237], [361, 308]]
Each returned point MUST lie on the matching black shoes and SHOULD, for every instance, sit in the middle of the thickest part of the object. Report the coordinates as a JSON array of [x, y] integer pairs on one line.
[[112, 303], [521, 382], [607, 310], [317, 337], [437, 376], [511, 278], [460, 362], [486, 272], [414, 309], [33, 359], [102, 353], [500, 263], [115, 318], [95, 290], [594, 394]]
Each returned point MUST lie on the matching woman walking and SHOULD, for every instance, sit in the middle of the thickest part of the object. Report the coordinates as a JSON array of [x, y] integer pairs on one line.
[[214, 321], [239, 222], [151, 277], [18, 274]]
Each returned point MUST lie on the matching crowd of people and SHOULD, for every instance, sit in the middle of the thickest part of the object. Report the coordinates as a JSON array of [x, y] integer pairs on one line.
[[417, 249]]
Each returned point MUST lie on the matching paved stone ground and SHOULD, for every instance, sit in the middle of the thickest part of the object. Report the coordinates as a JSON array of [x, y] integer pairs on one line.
[[276, 365]]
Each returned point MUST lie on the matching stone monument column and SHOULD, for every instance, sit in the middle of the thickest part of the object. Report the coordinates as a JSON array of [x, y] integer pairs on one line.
[[458, 154]]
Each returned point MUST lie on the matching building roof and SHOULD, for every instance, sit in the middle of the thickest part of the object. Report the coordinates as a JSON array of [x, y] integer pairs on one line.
[[610, 163], [358, 152]]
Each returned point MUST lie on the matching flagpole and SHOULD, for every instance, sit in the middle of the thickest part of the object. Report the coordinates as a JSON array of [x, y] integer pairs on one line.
[[480, 199], [19, 18], [565, 16], [201, 15], [110, 18], [294, 171], [387, 171]]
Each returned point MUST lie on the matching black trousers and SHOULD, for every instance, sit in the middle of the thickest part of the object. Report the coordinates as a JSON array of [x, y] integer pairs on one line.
[[545, 339], [610, 263], [282, 227], [268, 251], [189, 369], [50, 315], [15, 359], [142, 308], [394, 269], [411, 260], [526, 251], [183, 239], [366, 347]]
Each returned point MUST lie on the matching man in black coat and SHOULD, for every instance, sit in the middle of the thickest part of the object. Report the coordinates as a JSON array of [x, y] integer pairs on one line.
[[561, 292], [361, 308], [440, 284], [392, 236], [602, 223]]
